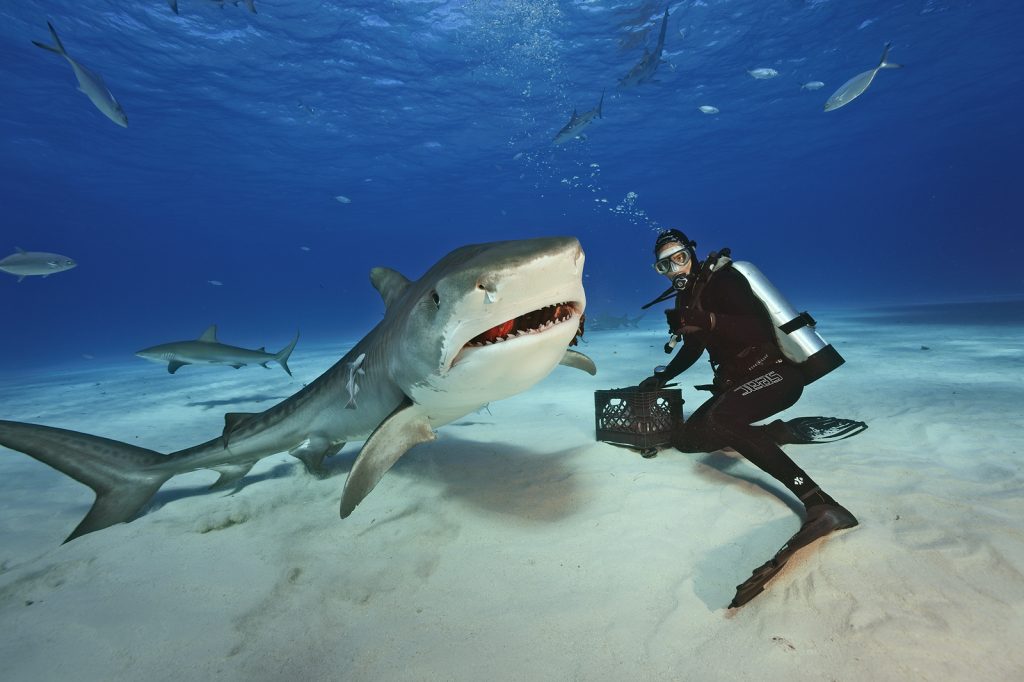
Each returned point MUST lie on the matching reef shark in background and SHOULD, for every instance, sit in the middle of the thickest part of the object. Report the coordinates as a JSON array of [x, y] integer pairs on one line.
[[855, 87], [487, 321], [35, 263], [89, 83], [574, 128], [648, 64], [207, 350]]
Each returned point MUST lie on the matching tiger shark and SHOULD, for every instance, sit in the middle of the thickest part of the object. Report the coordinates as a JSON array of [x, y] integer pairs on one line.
[[485, 322], [89, 83], [207, 350], [648, 64]]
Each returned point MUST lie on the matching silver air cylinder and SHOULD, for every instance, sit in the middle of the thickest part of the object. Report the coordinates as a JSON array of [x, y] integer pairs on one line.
[[795, 332]]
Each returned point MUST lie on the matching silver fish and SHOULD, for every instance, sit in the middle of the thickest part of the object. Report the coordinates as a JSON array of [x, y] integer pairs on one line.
[[855, 87], [763, 73], [89, 83], [35, 263], [812, 85]]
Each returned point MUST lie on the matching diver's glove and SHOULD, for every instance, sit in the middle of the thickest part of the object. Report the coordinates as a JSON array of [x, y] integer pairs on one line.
[[655, 382], [652, 383]]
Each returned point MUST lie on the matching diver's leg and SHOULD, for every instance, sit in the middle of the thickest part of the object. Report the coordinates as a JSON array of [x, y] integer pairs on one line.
[[728, 419]]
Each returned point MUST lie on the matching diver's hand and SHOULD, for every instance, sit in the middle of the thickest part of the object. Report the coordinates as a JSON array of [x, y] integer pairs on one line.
[[651, 383]]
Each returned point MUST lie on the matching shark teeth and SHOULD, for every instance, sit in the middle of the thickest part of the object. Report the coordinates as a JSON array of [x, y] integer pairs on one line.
[[531, 323]]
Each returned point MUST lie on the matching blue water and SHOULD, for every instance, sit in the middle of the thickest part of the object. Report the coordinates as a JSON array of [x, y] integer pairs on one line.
[[435, 119]]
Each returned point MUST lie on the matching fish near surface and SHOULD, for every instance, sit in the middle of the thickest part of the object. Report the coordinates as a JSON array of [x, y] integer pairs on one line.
[[89, 83], [855, 87], [487, 321]]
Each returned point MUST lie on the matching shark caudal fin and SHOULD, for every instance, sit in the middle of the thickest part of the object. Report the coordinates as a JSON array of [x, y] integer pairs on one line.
[[121, 475], [282, 356]]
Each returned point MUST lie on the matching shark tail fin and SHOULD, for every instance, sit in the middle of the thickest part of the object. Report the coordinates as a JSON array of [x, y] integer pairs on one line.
[[664, 25], [600, 103], [251, 4], [124, 477], [282, 356], [174, 5]]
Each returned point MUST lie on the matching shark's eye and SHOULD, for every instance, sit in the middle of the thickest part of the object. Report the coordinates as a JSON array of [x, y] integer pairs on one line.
[[436, 298]]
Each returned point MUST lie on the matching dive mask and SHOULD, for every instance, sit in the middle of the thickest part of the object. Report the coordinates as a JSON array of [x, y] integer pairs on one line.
[[673, 261]]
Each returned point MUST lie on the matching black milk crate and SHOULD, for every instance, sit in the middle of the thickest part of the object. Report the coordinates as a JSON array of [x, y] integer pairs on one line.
[[643, 420]]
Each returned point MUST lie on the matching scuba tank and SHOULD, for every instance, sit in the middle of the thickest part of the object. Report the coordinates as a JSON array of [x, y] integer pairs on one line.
[[794, 332]]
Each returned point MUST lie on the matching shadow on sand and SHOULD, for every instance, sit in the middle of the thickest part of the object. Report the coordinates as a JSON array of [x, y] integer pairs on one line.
[[495, 477]]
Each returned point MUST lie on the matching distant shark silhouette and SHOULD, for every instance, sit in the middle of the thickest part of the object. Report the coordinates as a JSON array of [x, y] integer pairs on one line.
[[648, 64], [484, 323], [207, 350], [251, 4], [574, 128]]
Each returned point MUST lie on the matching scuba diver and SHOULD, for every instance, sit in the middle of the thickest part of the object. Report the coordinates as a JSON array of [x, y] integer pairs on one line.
[[727, 309]]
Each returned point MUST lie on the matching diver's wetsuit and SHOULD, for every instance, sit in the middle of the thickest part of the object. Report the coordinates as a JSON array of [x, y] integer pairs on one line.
[[752, 381]]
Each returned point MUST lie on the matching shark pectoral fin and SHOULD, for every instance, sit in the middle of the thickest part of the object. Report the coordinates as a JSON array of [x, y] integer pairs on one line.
[[404, 428], [232, 420], [313, 451], [579, 361], [173, 366], [239, 365], [230, 473]]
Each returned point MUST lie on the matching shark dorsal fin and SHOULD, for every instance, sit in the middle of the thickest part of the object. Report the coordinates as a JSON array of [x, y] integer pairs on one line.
[[390, 283], [210, 335], [232, 420]]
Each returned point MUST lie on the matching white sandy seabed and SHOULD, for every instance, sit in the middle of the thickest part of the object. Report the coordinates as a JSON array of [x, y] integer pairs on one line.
[[515, 547]]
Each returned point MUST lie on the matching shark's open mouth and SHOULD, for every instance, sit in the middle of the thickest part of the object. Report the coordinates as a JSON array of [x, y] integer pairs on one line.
[[530, 323]]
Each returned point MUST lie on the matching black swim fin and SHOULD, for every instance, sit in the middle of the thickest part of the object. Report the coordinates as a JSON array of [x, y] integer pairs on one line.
[[821, 520], [809, 430]]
